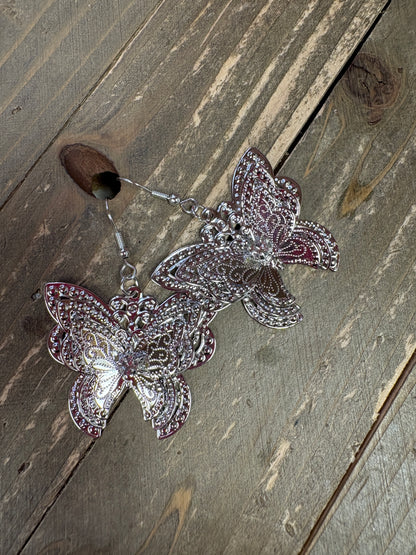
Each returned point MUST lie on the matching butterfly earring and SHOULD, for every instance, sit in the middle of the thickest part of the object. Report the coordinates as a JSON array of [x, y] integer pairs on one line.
[[131, 341], [245, 245]]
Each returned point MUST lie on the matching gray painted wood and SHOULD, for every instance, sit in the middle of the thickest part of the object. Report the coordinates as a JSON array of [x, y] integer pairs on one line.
[[376, 512], [53, 53], [228, 467], [364, 356]]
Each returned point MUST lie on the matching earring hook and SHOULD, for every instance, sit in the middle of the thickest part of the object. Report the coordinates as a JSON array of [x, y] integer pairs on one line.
[[188, 205], [97, 175], [128, 272]]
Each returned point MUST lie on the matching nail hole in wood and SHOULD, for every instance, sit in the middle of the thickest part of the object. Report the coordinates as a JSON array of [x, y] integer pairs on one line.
[[91, 170]]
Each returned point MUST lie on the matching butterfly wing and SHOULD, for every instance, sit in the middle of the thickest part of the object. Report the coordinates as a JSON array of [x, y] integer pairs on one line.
[[88, 340], [203, 341], [166, 344], [271, 304], [175, 338], [270, 207], [161, 390], [311, 244], [217, 273], [77, 312], [196, 343], [165, 399], [267, 208], [176, 408], [54, 343], [91, 399], [64, 299]]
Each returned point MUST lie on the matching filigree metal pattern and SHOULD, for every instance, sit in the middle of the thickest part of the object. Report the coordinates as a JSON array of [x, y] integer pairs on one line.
[[245, 246], [131, 342]]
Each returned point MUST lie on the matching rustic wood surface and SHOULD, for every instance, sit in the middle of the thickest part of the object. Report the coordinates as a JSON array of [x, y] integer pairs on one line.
[[376, 510], [53, 54], [173, 92]]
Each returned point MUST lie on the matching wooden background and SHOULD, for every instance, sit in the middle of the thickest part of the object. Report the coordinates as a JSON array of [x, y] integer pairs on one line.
[[298, 441]]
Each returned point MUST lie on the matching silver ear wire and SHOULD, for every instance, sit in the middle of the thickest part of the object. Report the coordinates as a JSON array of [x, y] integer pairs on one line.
[[188, 205], [124, 253], [128, 272]]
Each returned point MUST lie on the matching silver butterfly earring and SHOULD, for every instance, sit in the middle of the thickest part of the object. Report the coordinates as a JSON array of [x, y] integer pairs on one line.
[[129, 342], [245, 245]]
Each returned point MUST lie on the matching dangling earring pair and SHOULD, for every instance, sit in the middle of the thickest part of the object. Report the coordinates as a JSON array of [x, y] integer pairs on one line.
[[133, 341]]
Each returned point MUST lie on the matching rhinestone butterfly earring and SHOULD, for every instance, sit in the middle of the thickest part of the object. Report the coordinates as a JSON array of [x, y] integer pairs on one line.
[[131, 341], [245, 245]]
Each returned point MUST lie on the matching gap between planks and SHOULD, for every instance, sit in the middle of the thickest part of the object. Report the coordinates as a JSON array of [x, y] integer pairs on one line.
[[394, 392], [58, 486], [325, 97]]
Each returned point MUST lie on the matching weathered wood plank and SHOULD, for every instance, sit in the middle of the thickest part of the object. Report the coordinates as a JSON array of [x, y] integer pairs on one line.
[[52, 54], [376, 511], [376, 334], [227, 61]]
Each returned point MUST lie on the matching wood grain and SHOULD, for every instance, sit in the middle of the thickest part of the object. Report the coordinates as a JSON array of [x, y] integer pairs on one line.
[[53, 53], [353, 388], [129, 492], [376, 511]]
